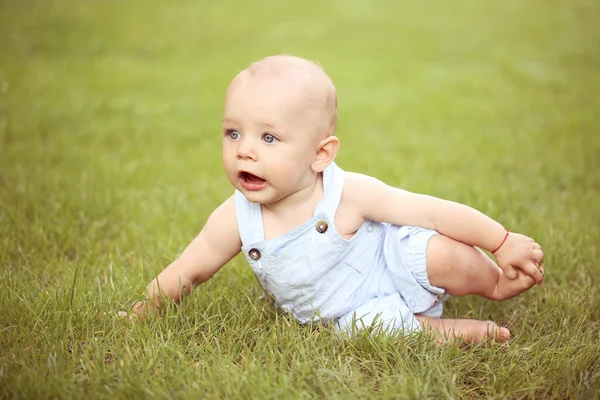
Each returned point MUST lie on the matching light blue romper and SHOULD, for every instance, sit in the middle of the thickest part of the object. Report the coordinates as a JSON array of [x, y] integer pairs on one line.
[[376, 278]]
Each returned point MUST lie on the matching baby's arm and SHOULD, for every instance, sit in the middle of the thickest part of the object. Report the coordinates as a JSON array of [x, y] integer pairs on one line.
[[379, 202], [217, 243]]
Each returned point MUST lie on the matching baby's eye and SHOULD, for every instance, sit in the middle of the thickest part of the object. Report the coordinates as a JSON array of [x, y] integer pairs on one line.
[[267, 137], [233, 134]]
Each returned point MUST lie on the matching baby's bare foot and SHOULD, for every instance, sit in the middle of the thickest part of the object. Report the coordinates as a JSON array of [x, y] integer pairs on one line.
[[467, 330], [508, 288]]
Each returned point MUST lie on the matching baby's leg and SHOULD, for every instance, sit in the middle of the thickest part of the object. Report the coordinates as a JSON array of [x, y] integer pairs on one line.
[[462, 269]]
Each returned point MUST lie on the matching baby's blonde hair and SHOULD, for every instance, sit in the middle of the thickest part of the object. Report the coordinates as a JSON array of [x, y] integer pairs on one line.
[[296, 68]]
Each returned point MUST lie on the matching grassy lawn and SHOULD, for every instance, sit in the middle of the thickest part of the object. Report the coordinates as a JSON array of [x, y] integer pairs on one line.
[[110, 164]]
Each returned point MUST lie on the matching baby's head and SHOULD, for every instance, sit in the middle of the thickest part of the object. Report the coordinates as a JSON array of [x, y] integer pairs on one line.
[[306, 92], [279, 127]]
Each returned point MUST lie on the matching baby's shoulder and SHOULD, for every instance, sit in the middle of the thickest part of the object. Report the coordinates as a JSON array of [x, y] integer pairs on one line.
[[226, 213], [221, 228], [357, 186], [356, 182]]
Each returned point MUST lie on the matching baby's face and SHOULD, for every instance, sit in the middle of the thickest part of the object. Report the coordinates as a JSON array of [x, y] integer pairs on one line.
[[269, 138]]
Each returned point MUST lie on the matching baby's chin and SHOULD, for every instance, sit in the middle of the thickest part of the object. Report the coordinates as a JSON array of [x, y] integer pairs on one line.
[[264, 197], [254, 196]]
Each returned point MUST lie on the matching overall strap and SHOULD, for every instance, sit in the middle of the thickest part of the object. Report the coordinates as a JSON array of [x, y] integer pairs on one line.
[[249, 219], [333, 185]]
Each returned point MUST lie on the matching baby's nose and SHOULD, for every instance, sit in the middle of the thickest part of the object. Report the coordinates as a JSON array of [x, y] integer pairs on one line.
[[246, 151]]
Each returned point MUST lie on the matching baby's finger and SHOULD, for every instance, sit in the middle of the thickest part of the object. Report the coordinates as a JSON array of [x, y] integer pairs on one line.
[[532, 270], [538, 256], [125, 314]]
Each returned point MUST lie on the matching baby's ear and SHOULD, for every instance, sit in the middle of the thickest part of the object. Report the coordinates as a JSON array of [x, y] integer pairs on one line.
[[326, 152]]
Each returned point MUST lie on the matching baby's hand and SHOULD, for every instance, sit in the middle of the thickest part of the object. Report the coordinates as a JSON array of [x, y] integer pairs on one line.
[[124, 314], [133, 315], [121, 314], [522, 252]]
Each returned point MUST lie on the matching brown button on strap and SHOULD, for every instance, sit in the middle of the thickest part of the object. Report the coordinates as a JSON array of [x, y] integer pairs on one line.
[[254, 254], [321, 226]]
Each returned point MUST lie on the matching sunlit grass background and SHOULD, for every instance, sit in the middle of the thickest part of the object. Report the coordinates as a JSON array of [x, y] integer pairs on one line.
[[110, 164]]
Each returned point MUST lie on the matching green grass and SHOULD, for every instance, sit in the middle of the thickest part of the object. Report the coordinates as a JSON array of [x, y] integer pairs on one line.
[[110, 164]]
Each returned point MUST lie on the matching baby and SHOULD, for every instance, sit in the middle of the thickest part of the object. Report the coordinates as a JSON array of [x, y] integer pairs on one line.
[[338, 246]]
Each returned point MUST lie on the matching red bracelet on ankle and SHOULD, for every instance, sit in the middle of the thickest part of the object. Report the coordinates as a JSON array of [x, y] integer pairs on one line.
[[503, 240]]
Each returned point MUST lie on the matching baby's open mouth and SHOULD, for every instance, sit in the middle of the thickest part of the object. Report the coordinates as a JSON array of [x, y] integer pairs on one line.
[[251, 182], [248, 177]]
